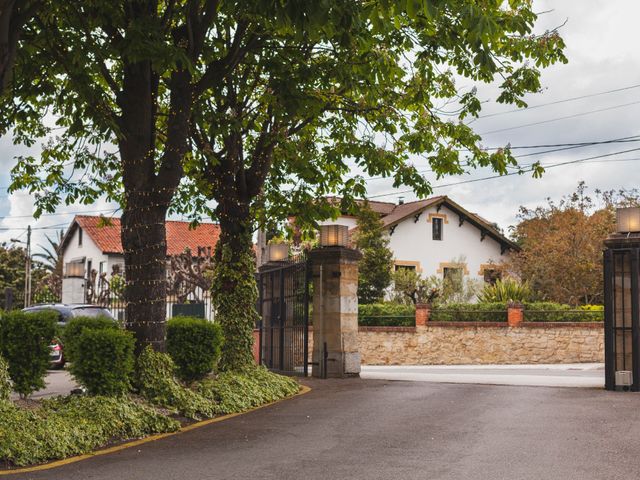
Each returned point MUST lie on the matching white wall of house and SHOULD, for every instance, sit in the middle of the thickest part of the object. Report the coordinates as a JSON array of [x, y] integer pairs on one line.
[[75, 251], [412, 242]]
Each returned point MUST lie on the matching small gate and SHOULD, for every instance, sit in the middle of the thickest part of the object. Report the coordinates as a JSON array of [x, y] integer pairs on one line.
[[284, 309]]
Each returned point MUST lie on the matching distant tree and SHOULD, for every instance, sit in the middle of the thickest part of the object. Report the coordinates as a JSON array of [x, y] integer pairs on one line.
[[50, 286], [376, 263], [12, 272], [562, 244], [409, 287]]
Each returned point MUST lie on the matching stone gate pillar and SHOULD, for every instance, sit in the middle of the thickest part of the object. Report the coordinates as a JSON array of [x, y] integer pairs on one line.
[[335, 312]]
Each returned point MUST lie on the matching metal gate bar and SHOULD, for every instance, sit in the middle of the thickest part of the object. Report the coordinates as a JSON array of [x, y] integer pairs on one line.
[[284, 312]]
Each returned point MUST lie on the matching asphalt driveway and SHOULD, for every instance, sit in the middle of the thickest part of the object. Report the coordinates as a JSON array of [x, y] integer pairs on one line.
[[369, 429]]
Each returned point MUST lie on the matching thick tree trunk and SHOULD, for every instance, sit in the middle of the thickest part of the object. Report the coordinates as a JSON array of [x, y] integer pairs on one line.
[[145, 256], [234, 287]]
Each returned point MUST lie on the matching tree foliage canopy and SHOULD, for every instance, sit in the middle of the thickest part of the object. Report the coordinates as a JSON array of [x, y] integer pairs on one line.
[[562, 245], [374, 269], [263, 107], [296, 93]]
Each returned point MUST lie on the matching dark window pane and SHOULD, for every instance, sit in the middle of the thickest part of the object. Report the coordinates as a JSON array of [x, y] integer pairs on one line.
[[436, 225]]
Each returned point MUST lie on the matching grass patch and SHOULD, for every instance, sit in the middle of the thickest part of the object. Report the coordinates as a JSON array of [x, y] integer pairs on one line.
[[67, 426]]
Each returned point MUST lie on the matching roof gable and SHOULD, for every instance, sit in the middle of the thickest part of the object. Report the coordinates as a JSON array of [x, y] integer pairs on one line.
[[406, 210], [105, 233]]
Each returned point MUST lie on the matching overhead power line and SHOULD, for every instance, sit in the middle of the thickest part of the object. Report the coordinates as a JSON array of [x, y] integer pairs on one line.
[[569, 146], [560, 118], [474, 180], [111, 210], [560, 101]]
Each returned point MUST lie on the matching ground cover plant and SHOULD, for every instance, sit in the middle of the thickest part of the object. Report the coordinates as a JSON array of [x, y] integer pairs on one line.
[[229, 392], [73, 425]]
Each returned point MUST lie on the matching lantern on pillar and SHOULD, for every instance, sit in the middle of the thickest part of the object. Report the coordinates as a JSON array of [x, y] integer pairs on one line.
[[334, 236], [622, 305], [278, 252]]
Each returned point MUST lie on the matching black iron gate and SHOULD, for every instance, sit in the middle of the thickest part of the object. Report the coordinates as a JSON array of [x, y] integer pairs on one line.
[[284, 310]]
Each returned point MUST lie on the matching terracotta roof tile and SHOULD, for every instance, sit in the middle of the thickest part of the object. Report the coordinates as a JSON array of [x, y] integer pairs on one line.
[[106, 234], [404, 210]]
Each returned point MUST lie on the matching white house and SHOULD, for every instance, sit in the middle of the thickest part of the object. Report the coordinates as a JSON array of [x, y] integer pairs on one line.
[[92, 254], [428, 235]]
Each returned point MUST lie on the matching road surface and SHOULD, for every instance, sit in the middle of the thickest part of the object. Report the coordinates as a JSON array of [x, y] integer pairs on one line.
[[373, 429], [590, 375]]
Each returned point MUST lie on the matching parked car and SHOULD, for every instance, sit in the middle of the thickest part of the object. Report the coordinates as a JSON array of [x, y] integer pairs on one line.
[[66, 313]]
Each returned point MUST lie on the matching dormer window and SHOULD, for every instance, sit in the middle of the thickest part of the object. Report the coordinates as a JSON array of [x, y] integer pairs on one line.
[[79, 237], [436, 228]]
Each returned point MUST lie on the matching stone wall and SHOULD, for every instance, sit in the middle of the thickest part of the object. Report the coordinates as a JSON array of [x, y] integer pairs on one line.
[[482, 343], [469, 343]]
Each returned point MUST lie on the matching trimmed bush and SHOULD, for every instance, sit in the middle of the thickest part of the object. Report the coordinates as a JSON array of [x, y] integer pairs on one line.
[[386, 314], [194, 344], [558, 312], [103, 361], [5, 380], [77, 325], [470, 312], [24, 343], [157, 383], [239, 391], [67, 426]]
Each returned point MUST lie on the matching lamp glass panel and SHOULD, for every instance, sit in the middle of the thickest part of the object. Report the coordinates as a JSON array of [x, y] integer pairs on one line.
[[628, 219]]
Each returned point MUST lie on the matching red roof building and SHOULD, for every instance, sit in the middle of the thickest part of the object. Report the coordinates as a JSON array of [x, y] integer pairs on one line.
[[105, 233]]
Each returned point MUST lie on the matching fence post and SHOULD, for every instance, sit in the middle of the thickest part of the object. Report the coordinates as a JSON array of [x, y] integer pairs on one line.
[[515, 314], [423, 312]]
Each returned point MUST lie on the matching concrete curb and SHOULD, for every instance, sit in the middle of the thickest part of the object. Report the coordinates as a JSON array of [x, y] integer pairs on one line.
[[134, 443]]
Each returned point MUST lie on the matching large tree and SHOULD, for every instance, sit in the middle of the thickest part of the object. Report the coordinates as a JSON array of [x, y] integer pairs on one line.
[[14, 15], [352, 85], [120, 79], [562, 244]]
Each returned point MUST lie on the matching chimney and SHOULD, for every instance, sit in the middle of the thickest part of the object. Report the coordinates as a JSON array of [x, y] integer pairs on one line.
[[400, 200]]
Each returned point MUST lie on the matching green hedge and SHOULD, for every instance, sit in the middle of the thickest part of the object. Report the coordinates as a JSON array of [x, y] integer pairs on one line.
[[556, 312], [470, 312], [103, 361], [229, 392], [386, 315], [67, 426], [77, 325], [24, 343], [5, 380], [533, 312], [194, 345]]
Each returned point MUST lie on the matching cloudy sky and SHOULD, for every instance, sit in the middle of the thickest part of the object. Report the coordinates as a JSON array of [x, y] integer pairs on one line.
[[602, 46]]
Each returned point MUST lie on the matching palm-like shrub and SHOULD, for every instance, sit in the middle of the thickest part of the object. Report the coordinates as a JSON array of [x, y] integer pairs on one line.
[[507, 290]]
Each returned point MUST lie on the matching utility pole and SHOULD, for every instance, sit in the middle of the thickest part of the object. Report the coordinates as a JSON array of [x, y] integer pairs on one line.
[[27, 280], [27, 267]]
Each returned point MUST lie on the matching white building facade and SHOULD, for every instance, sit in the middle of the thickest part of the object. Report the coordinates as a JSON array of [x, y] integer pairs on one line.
[[437, 234]]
